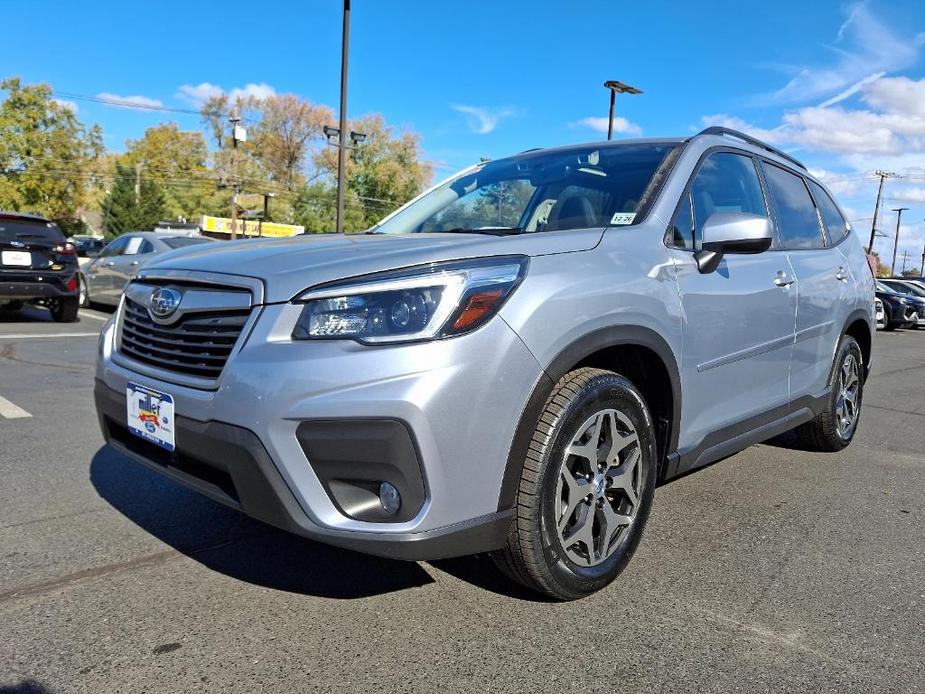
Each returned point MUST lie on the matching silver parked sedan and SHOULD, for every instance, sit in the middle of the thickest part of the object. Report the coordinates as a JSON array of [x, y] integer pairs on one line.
[[103, 279]]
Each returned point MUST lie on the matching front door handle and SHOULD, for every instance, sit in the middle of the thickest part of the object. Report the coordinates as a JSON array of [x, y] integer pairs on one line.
[[134, 262], [782, 279], [841, 275], [109, 263]]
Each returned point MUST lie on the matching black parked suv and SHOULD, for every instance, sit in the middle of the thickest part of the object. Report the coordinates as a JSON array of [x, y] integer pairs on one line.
[[38, 265]]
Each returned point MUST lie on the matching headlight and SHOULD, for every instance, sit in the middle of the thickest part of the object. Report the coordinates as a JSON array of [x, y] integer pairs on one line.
[[440, 300]]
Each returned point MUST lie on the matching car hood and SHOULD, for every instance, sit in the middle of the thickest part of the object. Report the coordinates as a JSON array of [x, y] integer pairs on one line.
[[288, 266]]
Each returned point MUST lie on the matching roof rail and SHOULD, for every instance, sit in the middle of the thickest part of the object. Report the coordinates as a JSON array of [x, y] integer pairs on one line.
[[720, 130]]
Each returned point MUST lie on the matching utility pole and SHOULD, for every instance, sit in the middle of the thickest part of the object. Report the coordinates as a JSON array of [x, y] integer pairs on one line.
[[922, 270], [617, 87], [899, 215], [905, 255], [341, 146], [873, 225], [137, 184], [238, 134]]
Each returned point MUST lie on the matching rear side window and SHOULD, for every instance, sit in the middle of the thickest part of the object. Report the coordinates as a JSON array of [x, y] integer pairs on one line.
[[725, 182], [797, 222], [834, 223], [28, 230]]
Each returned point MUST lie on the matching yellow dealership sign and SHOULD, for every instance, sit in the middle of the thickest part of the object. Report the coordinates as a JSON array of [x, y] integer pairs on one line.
[[249, 227]]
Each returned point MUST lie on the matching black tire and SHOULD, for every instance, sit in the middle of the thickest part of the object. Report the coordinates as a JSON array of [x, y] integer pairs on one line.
[[64, 310], [534, 554], [888, 323], [823, 433]]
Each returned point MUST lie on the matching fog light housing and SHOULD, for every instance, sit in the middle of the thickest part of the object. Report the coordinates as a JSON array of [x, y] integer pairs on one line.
[[389, 498]]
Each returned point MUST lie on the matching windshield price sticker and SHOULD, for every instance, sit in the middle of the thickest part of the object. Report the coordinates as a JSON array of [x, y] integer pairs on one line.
[[622, 218]]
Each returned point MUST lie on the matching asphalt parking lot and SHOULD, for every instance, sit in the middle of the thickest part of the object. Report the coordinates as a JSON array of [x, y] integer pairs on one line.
[[774, 570]]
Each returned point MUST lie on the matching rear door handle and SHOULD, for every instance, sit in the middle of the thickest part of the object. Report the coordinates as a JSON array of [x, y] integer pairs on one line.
[[841, 275], [134, 262], [782, 279]]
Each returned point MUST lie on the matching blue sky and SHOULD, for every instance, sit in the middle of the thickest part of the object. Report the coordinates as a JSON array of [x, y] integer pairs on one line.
[[841, 85]]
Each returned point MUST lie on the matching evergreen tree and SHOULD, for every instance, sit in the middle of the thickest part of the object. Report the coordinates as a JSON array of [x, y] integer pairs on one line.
[[123, 213]]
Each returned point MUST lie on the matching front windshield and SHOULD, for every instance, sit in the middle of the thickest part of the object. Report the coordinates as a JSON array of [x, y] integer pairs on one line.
[[578, 188]]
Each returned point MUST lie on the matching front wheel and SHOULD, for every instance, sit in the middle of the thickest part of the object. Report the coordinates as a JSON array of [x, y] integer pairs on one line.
[[586, 487], [834, 427]]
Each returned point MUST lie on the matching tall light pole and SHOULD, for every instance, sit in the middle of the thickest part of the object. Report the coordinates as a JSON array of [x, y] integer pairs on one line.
[[899, 215], [616, 87], [341, 150]]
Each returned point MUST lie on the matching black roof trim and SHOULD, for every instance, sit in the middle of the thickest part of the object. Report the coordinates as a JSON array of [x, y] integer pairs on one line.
[[720, 130]]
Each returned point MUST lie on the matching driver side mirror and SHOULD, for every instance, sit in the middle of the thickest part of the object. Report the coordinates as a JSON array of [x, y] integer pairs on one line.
[[732, 232]]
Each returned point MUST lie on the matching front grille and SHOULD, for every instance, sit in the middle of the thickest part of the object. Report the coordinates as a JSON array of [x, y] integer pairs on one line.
[[198, 344]]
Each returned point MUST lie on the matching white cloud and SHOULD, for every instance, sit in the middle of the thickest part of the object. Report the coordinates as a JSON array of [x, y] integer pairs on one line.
[[736, 123], [66, 103], [599, 124], [252, 91], [840, 184], [909, 195], [852, 90], [130, 101], [869, 47], [197, 95], [483, 120]]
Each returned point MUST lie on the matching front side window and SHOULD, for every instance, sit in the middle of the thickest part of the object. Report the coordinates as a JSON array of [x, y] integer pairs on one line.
[[115, 248], [797, 221], [835, 224], [576, 188], [725, 182]]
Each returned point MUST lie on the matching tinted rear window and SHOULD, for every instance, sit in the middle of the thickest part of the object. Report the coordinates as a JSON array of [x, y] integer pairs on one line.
[[27, 230], [182, 241]]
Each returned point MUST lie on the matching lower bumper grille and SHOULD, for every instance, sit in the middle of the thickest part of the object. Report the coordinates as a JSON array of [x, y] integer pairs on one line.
[[197, 345]]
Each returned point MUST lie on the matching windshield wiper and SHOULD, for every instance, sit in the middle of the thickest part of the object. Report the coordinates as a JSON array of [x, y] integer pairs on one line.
[[493, 231]]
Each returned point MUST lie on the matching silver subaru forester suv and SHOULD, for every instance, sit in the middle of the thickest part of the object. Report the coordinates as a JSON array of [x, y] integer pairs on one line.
[[512, 362]]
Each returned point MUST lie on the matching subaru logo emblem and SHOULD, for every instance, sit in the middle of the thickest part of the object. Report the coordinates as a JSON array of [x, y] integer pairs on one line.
[[164, 302]]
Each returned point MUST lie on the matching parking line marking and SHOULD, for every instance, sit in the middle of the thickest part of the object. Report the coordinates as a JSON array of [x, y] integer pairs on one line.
[[11, 411], [35, 336], [87, 314]]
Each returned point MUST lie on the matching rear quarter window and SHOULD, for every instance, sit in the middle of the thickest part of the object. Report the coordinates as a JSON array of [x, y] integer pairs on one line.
[[835, 224]]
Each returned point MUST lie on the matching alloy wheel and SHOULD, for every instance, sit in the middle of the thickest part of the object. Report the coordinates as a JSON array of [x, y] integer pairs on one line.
[[847, 403], [599, 487]]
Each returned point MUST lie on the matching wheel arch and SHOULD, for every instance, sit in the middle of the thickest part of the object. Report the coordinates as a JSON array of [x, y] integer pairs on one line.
[[858, 326], [636, 352]]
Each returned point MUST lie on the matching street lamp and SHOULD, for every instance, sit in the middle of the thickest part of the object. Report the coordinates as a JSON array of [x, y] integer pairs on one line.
[[616, 87], [266, 212], [899, 215]]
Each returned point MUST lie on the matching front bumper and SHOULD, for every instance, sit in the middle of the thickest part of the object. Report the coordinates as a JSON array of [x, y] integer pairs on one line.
[[230, 465], [240, 444]]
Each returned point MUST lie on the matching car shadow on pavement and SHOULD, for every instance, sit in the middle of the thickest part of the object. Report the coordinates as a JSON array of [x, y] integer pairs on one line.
[[29, 686], [231, 543]]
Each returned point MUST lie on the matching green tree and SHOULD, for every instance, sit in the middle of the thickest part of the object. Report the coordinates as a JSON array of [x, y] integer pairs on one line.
[[384, 171], [177, 161], [48, 159], [315, 208], [124, 211]]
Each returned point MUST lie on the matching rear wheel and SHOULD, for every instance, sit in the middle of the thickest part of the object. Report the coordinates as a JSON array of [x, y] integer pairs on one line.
[[888, 323], [835, 426], [586, 487], [64, 310]]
